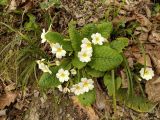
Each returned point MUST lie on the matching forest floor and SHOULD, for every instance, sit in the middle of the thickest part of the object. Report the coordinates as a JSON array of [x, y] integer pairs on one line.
[[137, 20]]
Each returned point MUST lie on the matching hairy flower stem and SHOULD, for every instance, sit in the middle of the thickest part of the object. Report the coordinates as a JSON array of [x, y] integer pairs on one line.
[[114, 91]]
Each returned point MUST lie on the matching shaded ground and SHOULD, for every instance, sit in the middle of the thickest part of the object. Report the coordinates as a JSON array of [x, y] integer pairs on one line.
[[29, 103]]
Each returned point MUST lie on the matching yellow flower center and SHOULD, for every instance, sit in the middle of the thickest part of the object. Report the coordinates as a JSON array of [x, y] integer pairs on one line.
[[97, 39], [146, 72], [59, 49], [62, 75], [85, 84], [88, 45], [84, 55]]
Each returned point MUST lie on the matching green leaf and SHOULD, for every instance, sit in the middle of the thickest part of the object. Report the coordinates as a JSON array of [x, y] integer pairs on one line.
[[49, 80], [94, 73], [75, 37], [88, 30], [87, 98], [3, 2], [54, 37], [109, 84], [77, 63], [140, 104], [49, 3], [137, 103], [105, 58], [65, 64], [119, 44], [105, 28], [44, 5], [31, 25]]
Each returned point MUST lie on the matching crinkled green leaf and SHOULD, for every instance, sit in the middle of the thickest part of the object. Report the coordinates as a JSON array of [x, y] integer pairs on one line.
[[31, 25], [94, 73], [109, 84], [105, 28], [76, 39], [77, 63], [119, 44], [105, 58], [87, 98], [140, 104], [48, 80], [88, 30], [54, 37], [65, 64], [137, 103]]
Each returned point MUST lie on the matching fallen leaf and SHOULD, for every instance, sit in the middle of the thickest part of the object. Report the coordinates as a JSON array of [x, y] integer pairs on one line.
[[100, 97], [143, 36], [120, 19], [146, 60], [152, 88], [130, 62], [89, 110], [124, 79], [155, 57], [3, 117], [12, 6], [33, 114], [158, 16], [3, 112], [10, 87], [140, 29], [19, 105], [148, 11], [143, 20], [154, 37], [7, 99], [156, 63]]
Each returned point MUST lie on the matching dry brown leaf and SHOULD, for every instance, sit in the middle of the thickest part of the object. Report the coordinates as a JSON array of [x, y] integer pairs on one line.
[[143, 36], [140, 29], [148, 11], [155, 57], [156, 62], [33, 114], [119, 19], [100, 97], [154, 37], [130, 62], [124, 79], [152, 89], [143, 20], [89, 110], [10, 87], [19, 105], [12, 6], [142, 60], [3, 112], [7, 99], [3, 117], [158, 16]]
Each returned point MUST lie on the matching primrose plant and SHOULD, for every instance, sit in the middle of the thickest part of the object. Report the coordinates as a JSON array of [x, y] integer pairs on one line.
[[79, 59]]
